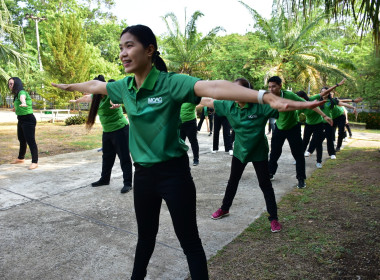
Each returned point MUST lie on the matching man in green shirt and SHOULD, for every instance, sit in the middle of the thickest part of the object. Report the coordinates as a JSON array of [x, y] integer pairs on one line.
[[287, 127], [189, 129]]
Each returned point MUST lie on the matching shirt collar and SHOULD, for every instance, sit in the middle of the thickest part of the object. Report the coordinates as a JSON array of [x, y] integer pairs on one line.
[[149, 81], [245, 106]]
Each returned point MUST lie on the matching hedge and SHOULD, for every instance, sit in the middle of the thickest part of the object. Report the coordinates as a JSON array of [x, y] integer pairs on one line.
[[372, 120]]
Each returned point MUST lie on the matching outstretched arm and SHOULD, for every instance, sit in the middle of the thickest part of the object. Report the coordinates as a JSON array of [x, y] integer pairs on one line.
[[208, 102], [84, 99], [93, 86], [324, 116], [327, 91], [224, 90], [356, 100]]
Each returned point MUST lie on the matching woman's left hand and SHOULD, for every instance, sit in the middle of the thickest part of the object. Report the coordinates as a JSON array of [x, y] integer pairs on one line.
[[23, 105], [114, 106]]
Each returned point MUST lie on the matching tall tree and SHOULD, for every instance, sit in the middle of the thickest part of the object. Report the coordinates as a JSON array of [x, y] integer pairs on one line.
[[297, 50], [69, 61], [365, 13], [187, 51], [12, 42]]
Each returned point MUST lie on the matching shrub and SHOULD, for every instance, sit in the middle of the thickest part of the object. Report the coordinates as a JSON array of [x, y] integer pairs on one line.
[[372, 120], [78, 119]]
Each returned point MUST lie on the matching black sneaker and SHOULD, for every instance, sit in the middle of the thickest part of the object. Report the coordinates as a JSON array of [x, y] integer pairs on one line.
[[100, 183], [271, 177], [195, 162], [301, 184], [337, 150], [126, 189]]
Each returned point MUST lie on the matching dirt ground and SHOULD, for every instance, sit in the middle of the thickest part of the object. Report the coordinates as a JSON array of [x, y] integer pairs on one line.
[[330, 230]]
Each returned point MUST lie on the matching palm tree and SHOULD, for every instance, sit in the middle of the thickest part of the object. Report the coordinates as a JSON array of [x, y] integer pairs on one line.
[[365, 12], [11, 39], [186, 51], [296, 50]]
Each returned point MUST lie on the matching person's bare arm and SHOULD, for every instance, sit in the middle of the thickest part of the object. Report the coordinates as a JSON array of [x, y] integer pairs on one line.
[[84, 99], [327, 91], [23, 101], [324, 116], [208, 102], [224, 90], [356, 100], [93, 86]]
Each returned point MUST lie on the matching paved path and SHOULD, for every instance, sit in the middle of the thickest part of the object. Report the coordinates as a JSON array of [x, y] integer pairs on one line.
[[54, 225]]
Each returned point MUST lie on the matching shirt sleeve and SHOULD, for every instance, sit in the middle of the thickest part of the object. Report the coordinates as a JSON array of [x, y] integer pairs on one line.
[[115, 90], [219, 107], [270, 112], [182, 88]]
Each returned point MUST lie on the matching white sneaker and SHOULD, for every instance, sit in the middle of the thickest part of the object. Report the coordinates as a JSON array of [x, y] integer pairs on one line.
[[214, 151], [231, 152], [333, 157], [318, 165], [307, 154]]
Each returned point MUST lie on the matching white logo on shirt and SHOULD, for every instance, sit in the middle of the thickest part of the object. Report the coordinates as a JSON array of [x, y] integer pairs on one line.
[[252, 116], [154, 100]]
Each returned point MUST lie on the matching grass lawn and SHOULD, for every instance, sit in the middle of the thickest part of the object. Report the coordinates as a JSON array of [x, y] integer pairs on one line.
[[52, 139], [330, 229]]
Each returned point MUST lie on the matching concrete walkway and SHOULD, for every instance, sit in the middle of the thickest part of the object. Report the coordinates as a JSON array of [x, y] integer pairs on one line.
[[54, 225]]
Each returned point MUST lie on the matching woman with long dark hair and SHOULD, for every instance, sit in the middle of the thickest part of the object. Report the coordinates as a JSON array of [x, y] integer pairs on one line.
[[26, 126], [115, 136], [153, 99]]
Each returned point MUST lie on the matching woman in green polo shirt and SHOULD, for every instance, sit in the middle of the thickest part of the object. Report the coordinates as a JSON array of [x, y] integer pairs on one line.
[[26, 126], [153, 99], [251, 145], [114, 139]]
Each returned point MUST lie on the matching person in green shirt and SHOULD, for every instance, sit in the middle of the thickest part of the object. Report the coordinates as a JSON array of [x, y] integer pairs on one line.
[[153, 99], [189, 129], [115, 136], [251, 145], [26, 125], [313, 126], [287, 127]]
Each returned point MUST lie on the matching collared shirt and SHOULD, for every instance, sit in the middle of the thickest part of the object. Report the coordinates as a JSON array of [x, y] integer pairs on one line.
[[21, 111], [188, 112], [249, 124], [288, 120], [111, 119], [312, 117], [154, 114], [331, 110]]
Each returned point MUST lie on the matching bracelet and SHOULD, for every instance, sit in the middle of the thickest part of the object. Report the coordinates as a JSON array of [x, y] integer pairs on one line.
[[337, 85], [261, 95], [352, 100]]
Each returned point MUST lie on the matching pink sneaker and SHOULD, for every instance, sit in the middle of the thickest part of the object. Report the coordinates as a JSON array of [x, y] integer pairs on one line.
[[219, 214], [275, 226]]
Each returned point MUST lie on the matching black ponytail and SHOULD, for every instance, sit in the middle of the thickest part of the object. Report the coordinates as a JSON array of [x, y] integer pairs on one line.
[[96, 98], [146, 37]]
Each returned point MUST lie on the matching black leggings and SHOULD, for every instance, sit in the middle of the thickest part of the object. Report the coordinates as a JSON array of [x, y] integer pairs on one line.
[[189, 129], [261, 168], [116, 142], [171, 181], [218, 123], [317, 131], [26, 130], [328, 134], [339, 122]]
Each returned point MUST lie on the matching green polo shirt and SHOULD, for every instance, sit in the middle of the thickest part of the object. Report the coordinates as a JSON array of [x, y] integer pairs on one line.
[[337, 111], [312, 117], [111, 119], [288, 120], [154, 114], [22, 111], [188, 112], [328, 110], [249, 124]]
